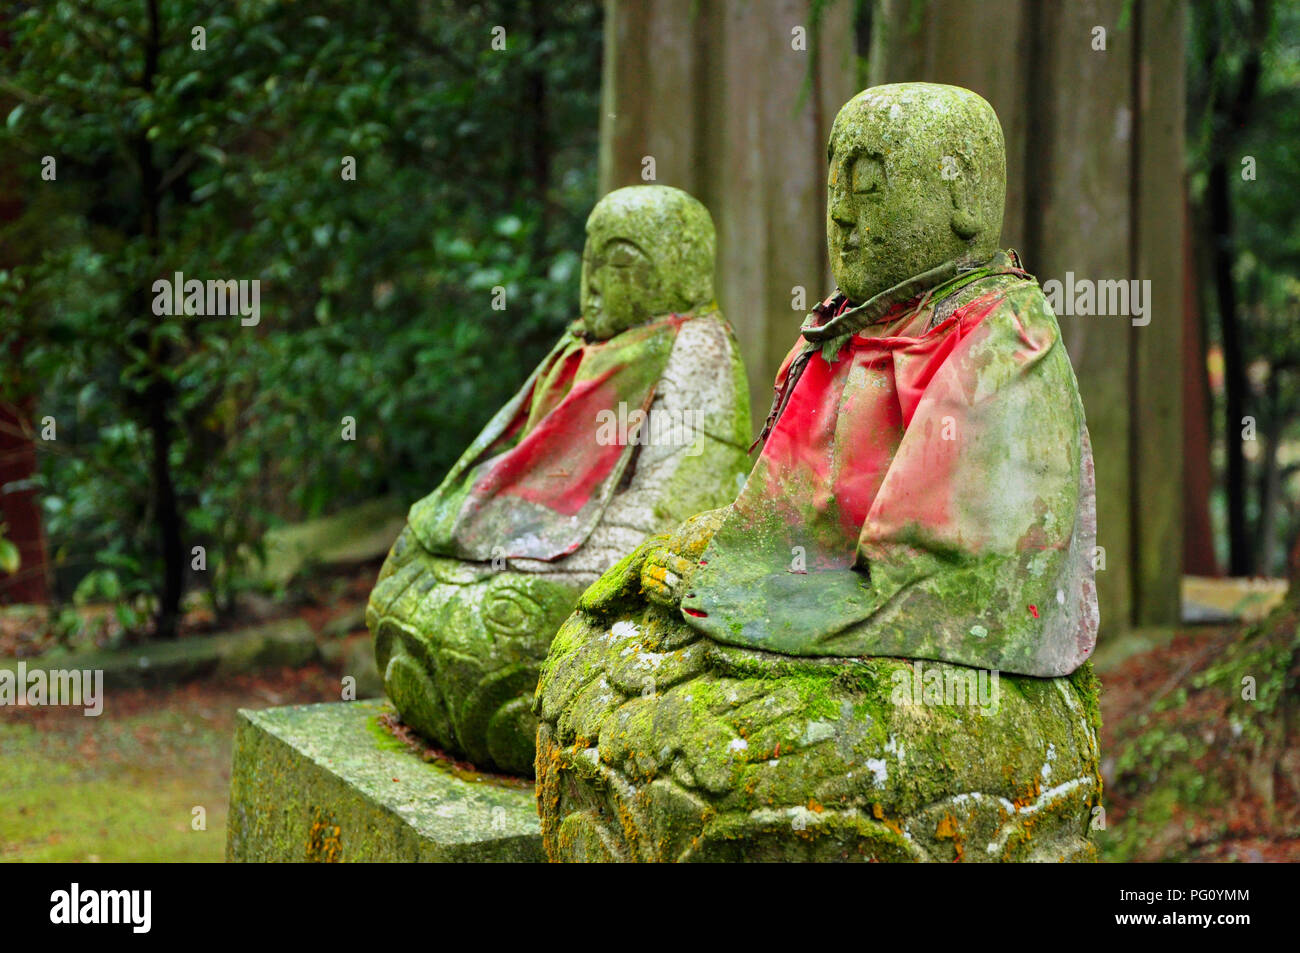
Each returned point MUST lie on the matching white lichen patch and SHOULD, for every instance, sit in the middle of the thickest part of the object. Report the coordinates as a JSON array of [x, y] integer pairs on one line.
[[1043, 800], [624, 629], [879, 771], [895, 747], [1066, 694], [649, 660], [816, 731]]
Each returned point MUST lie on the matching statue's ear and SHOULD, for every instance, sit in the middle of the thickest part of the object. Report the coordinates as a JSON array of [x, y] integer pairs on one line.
[[965, 224], [698, 262], [959, 172]]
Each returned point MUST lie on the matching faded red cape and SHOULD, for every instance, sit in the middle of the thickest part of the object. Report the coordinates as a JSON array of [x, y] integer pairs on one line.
[[535, 482], [925, 489]]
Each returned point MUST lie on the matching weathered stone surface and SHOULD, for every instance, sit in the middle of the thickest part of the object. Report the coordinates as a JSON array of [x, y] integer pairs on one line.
[[329, 783], [725, 753], [917, 176], [458, 647]]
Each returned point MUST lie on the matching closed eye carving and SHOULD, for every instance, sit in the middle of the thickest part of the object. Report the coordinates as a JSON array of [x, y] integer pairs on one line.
[[868, 175], [621, 254]]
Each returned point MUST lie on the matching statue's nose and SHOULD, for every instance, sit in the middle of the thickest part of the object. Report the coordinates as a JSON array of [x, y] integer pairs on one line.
[[841, 209]]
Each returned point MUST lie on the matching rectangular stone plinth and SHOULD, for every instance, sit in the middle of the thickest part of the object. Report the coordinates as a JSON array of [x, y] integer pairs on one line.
[[329, 783]]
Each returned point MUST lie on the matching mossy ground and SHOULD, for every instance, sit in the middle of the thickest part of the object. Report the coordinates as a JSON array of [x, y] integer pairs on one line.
[[1195, 770], [123, 786]]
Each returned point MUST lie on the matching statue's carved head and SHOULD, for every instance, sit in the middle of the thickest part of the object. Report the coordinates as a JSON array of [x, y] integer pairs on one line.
[[650, 251], [917, 178]]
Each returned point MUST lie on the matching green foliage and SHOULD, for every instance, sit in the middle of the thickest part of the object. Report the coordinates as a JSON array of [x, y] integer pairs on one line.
[[9, 555], [474, 169], [1260, 144]]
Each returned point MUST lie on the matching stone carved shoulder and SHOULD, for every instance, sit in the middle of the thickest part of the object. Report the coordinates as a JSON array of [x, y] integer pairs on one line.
[[696, 394], [699, 377]]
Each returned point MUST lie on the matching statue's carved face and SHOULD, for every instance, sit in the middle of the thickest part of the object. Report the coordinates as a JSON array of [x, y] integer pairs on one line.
[[620, 285], [860, 210], [916, 178], [649, 252]]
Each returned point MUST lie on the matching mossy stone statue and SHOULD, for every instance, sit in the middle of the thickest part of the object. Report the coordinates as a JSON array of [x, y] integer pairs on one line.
[[638, 418], [878, 650]]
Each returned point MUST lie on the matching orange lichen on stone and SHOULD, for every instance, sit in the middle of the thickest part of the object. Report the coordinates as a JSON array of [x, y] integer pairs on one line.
[[323, 842]]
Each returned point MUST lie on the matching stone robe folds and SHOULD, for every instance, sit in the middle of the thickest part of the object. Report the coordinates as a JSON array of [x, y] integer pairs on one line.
[[535, 482], [925, 489]]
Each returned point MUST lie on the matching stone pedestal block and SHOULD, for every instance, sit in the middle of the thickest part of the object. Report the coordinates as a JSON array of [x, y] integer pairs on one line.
[[329, 783]]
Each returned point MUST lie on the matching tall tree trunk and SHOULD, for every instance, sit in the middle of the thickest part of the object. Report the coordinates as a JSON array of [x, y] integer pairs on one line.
[[1232, 112], [539, 144], [1199, 558], [159, 394], [20, 509], [1265, 536], [167, 514], [1218, 202]]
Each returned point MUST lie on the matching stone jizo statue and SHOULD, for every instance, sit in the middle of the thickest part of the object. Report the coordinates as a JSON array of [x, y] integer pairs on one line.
[[926, 485], [637, 418], [863, 655]]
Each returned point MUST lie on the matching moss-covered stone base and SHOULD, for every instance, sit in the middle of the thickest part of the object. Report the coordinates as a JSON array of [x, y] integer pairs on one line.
[[458, 645], [657, 743], [329, 783]]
